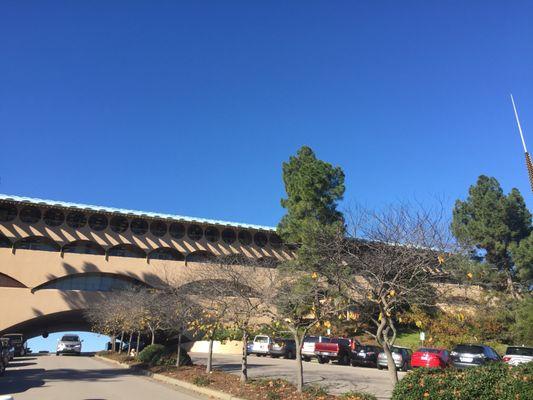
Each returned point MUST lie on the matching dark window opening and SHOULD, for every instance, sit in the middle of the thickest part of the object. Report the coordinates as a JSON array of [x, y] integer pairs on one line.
[[126, 250], [139, 226], [245, 238], [268, 262], [118, 224], [166, 253], [84, 247], [176, 230], [195, 232], [30, 214], [37, 243], [54, 217], [275, 241], [92, 282], [229, 236], [158, 228], [76, 219], [98, 222], [260, 239], [7, 281], [212, 234], [8, 212]]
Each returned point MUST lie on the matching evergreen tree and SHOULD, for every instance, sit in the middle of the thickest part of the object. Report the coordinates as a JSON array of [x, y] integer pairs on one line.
[[314, 188], [491, 223], [523, 259]]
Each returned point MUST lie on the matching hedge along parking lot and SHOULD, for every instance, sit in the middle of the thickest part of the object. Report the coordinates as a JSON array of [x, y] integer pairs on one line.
[[495, 381]]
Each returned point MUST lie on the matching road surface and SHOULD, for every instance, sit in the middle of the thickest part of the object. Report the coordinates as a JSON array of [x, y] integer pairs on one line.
[[50, 377], [335, 378]]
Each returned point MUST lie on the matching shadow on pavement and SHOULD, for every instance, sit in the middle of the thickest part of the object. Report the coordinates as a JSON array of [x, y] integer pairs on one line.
[[20, 380]]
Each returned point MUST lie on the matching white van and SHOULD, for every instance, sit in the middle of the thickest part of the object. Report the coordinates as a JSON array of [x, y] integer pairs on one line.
[[308, 346], [261, 345]]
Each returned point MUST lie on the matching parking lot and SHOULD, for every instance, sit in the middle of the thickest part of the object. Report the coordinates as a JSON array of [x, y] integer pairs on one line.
[[336, 378]]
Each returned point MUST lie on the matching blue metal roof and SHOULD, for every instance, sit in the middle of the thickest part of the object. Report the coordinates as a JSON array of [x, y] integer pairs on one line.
[[53, 203]]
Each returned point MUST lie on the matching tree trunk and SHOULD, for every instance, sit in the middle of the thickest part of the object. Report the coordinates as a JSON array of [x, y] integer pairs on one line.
[[121, 340], [129, 343], [244, 361], [138, 342], [113, 343], [390, 362], [153, 335], [510, 286], [299, 364], [209, 366], [179, 351]]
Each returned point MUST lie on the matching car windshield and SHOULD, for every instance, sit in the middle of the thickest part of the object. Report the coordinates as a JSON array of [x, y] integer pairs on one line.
[[396, 350], [14, 338], [428, 350], [261, 339], [519, 351], [463, 348], [70, 338], [366, 348], [311, 339]]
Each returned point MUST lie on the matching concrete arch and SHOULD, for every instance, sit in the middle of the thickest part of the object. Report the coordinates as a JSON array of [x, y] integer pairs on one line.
[[166, 253], [83, 247], [41, 243], [126, 250], [91, 281], [200, 256]]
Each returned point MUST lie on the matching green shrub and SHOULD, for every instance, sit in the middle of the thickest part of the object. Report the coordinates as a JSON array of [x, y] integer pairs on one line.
[[201, 380], [496, 381], [152, 354], [356, 395], [273, 396], [315, 391]]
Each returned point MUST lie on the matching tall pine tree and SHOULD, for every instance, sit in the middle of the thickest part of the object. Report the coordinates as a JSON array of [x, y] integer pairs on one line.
[[492, 223]]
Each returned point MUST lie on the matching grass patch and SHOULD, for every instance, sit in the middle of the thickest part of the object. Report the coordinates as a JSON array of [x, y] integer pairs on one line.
[[356, 395], [201, 381]]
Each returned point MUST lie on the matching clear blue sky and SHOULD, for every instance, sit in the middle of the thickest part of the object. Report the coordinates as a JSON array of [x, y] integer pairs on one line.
[[191, 107]]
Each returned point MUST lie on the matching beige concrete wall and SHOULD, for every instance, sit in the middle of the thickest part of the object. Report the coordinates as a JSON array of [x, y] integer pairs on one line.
[[226, 347]]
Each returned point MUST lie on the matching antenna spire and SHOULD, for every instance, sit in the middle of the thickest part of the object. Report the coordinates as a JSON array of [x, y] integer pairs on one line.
[[529, 164]]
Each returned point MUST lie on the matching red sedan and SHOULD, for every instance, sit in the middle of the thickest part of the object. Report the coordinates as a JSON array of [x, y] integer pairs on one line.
[[430, 358]]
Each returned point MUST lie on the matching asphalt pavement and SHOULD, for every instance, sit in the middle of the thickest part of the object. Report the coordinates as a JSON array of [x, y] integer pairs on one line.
[[49, 377], [337, 379]]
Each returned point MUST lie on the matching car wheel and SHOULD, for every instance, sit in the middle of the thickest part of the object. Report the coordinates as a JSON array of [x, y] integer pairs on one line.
[[405, 367], [379, 367], [345, 360], [290, 355], [322, 360], [2, 369], [306, 359]]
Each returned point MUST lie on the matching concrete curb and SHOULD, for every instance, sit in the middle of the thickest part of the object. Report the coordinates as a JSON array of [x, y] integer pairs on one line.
[[175, 382]]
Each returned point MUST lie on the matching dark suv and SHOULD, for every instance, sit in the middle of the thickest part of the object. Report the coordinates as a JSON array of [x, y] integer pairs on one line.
[[366, 355], [282, 348], [472, 355], [17, 341]]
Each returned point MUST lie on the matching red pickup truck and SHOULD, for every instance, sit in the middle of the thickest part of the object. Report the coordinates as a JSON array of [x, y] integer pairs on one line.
[[339, 349]]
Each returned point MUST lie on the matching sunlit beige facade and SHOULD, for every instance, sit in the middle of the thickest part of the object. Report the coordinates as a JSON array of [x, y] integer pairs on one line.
[[56, 259]]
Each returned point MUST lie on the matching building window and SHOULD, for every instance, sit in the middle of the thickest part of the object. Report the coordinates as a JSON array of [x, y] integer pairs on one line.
[[30, 214], [54, 217], [201, 256], [158, 228], [166, 253], [118, 224], [84, 247], [5, 242], [139, 226], [195, 232], [76, 219], [126, 250], [245, 238], [260, 239], [275, 241], [92, 282], [176, 230], [212, 234], [268, 262], [98, 222], [37, 243], [8, 212], [229, 236]]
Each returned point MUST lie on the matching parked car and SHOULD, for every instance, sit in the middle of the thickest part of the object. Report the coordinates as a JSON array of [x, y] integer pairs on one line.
[[249, 347], [365, 355], [17, 340], [3, 362], [285, 348], [260, 345], [6, 342], [472, 355], [515, 355], [427, 357], [308, 346], [336, 349], [400, 355], [70, 344]]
